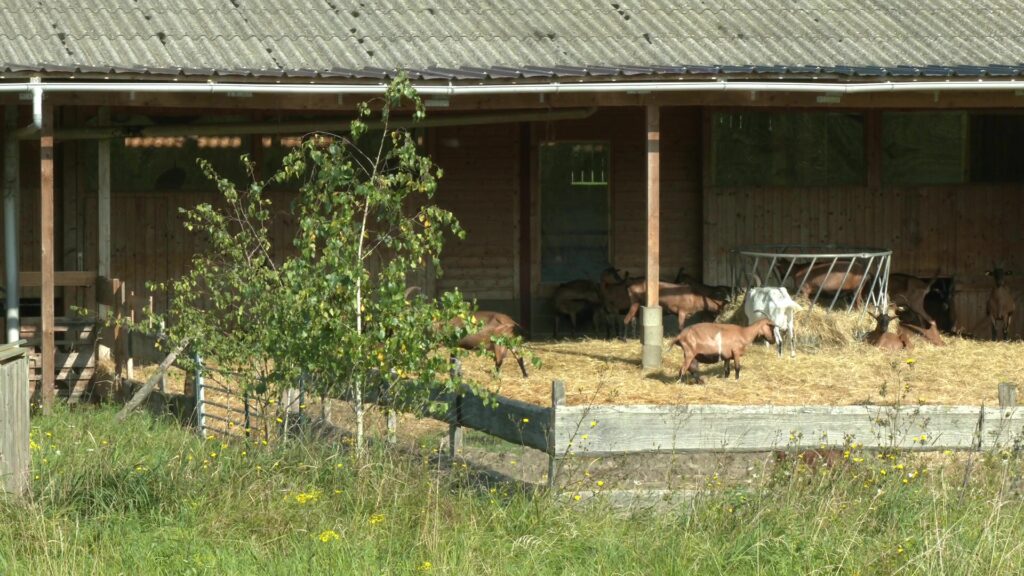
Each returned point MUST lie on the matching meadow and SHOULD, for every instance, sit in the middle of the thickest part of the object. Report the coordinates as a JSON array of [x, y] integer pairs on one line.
[[148, 497]]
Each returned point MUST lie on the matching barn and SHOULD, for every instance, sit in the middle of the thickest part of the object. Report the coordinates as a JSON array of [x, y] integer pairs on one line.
[[647, 135]]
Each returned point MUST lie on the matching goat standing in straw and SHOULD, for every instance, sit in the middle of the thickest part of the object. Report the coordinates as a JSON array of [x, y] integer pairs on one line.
[[709, 343]]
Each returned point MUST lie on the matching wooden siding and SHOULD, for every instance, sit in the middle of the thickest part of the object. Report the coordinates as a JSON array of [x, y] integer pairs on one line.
[[480, 186], [959, 231]]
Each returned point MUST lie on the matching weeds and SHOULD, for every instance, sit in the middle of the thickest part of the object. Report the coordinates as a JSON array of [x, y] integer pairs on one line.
[[148, 497]]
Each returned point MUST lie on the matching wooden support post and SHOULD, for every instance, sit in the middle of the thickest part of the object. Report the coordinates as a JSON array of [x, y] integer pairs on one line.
[[1007, 395], [525, 226], [554, 458], [46, 212], [103, 205], [653, 332]]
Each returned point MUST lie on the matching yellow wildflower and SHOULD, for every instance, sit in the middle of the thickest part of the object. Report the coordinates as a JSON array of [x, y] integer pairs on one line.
[[376, 519], [329, 536], [426, 566], [304, 497]]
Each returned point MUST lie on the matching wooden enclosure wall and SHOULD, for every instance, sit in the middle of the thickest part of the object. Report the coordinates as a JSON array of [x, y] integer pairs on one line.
[[481, 187], [957, 231]]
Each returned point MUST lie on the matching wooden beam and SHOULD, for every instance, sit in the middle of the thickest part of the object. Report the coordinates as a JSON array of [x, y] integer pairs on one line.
[[717, 428], [524, 225], [103, 203], [653, 203], [873, 147], [72, 278], [46, 213]]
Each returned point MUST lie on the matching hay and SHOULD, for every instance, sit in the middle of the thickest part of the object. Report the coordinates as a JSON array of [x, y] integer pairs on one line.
[[832, 367], [816, 328], [965, 372]]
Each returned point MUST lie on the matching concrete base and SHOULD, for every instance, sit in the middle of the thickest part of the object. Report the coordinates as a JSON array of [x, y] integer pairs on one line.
[[653, 334]]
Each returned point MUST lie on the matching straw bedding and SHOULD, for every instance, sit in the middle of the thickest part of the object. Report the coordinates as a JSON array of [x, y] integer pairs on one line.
[[832, 367]]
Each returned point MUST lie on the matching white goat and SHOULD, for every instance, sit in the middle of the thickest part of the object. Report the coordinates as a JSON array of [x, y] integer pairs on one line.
[[775, 305]]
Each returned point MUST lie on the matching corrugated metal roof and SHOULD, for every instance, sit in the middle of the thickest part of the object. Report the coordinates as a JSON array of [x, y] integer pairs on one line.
[[501, 39]]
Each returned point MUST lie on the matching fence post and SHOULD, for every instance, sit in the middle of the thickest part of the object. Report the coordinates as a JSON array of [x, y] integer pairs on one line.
[[129, 363], [200, 396], [1007, 395], [554, 459], [392, 417], [455, 411], [246, 414]]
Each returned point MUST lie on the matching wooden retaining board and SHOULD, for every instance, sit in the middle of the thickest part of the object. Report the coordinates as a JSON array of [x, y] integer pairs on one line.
[[511, 420], [15, 454], [598, 430]]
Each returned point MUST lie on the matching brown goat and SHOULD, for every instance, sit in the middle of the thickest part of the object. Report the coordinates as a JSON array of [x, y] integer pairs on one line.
[[494, 324], [930, 334], [573, 298], [1000, 306], [614, 290], [707, 342], [812, 279], [909, 292], [673, 299], [717, 292], [880, 337]]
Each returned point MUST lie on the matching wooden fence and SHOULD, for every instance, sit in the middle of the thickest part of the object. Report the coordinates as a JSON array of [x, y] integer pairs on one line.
[[604, 430], [15, 455]]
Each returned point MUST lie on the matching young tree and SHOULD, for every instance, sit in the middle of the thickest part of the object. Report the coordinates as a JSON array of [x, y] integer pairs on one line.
[[338, 313]]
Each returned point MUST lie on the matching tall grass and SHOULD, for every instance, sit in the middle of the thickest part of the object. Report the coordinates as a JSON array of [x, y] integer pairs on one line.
[[146, 497]]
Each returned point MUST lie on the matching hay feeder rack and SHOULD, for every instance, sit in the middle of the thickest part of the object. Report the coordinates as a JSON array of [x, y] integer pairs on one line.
[[774, 265]]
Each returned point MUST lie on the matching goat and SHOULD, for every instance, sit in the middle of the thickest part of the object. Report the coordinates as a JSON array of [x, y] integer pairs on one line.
[[717, 292], [674, 299], [880, 337], [494, 324], [909, 292], [709, 343], [574, 297], [1000, 306], [930, 334], [775, 305], [614, 291], [826, 277]]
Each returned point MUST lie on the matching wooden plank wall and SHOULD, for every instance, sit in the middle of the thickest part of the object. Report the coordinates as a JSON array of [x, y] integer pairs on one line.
[[480, 186], [959, 231], [149, 242]]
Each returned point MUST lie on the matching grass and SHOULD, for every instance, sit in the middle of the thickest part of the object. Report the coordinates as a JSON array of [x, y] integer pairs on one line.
[[147, 497]]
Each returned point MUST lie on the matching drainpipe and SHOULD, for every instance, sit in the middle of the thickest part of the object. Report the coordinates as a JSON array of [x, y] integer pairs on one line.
[[12, 193]]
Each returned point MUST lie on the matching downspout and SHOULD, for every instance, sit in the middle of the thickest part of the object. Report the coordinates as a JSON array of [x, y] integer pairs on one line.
[[12, 193]]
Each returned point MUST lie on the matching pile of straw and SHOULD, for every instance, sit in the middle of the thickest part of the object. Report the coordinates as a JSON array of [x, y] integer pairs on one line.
[[832, 367]]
